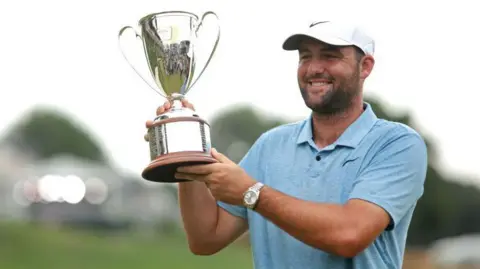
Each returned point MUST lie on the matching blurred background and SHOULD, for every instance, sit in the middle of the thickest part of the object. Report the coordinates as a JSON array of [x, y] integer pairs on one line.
[[73, 114]]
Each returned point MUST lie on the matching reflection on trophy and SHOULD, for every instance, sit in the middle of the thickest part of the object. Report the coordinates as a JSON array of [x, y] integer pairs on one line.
[[169, 42]]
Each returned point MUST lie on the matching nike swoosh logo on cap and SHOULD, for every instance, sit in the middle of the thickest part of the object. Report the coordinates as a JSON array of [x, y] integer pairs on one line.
[[318, 22]]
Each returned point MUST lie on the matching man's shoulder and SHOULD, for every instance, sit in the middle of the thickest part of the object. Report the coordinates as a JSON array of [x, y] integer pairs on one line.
[[392, 134], [389, 130], [284, 131], [268, 144]]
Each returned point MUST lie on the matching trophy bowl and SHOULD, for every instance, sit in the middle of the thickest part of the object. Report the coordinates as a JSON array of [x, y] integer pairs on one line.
[[169, 42]]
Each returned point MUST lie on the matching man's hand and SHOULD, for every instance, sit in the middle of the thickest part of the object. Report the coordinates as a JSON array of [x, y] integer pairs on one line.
[[226, 180]]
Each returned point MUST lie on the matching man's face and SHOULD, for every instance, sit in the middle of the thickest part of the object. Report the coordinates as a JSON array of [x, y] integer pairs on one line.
[[329, 77]]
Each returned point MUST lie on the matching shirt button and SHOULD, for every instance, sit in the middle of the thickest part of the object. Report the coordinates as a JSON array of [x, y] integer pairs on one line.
[[318, 158]]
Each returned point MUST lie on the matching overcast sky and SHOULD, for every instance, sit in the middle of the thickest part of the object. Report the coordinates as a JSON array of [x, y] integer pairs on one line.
[[65, 54]]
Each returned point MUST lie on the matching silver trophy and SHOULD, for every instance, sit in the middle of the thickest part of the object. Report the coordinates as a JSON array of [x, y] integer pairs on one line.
[[171, 47]]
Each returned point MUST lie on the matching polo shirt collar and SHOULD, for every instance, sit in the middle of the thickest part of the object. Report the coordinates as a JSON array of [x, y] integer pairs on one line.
[[351, 137]]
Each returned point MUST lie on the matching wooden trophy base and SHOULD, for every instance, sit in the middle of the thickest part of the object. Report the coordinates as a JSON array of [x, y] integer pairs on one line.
[[163, 168]]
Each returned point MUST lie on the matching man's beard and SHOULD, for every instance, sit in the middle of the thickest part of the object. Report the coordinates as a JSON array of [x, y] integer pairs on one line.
[[337, 100]]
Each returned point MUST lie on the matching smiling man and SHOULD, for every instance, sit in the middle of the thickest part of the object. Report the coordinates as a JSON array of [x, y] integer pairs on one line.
[[336, 190]]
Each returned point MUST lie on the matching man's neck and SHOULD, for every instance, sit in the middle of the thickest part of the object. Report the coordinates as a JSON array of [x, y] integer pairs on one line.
[[328, 128]]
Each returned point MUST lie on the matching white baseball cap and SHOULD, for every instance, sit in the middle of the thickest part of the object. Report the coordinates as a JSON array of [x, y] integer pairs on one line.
[[333, 33]]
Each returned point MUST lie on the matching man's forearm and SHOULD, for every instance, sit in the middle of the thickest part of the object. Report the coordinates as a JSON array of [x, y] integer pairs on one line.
[[199, 211], [324, 226]]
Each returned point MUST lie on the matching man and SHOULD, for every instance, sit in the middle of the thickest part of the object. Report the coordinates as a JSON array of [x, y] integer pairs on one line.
[[336, 190]]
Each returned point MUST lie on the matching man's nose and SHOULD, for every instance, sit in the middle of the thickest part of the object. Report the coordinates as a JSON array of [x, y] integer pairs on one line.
[[315, 67]]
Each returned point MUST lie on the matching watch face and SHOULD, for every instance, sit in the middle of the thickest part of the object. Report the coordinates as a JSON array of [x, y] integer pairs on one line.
[[250, 197]]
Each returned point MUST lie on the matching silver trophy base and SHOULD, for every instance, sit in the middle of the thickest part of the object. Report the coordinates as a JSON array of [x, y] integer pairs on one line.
[[174, 142]]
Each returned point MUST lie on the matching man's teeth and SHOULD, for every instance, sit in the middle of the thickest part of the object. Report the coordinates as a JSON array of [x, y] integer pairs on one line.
[[319, 83]]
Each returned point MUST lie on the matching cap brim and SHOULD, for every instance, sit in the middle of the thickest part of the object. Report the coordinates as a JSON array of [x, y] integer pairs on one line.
[[293, 41]]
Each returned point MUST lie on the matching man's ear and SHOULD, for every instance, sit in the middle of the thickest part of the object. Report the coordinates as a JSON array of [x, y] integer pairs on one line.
[[366, 66]]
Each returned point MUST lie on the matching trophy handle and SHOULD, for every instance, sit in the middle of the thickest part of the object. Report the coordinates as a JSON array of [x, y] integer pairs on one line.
[[208, 13], [121, 42]]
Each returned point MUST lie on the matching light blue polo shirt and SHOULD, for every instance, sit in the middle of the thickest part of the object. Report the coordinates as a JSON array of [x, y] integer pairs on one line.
[[376, 160]]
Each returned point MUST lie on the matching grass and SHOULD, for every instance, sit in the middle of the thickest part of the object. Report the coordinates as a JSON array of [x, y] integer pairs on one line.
[[24, 246]]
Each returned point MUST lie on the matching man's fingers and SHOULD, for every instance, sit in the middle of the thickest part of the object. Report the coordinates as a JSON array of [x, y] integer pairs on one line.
[[148, 125], [220, 157], [166, 106], [199, 169], [185, 103]]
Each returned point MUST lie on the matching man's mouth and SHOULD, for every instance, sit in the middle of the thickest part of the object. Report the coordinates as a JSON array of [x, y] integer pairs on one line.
[[321, 85]]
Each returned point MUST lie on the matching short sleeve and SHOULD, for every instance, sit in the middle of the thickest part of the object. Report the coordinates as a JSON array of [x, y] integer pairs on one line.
[[394, 179], [251, 164]]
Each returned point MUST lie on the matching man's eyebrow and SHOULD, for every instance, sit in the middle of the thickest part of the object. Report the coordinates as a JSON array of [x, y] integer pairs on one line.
[[330, 49], [303, 49]]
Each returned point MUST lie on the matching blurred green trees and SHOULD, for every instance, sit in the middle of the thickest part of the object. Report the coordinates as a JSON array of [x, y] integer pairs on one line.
[[47, 132]]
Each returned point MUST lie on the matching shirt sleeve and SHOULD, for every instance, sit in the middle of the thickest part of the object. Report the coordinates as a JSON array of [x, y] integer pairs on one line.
[[251, 164], [394, 179]]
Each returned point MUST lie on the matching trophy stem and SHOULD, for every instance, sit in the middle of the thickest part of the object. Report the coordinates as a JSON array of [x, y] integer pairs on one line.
[[176, 104], [176, 100]]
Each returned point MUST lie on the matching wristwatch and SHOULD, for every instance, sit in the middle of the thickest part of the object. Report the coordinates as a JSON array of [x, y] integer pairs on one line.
[[250, 197]]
